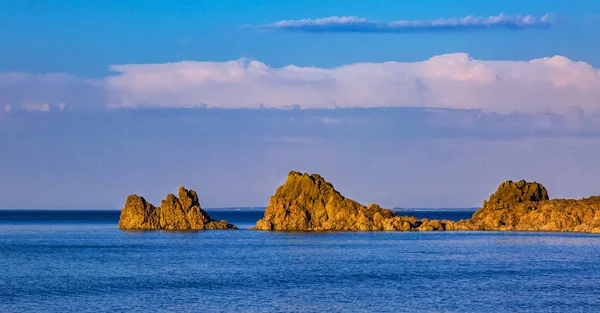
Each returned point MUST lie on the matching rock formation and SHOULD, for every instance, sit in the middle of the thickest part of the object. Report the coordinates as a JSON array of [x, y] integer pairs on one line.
[[309, 203], [524, 206], [511, 193], [183, 213]]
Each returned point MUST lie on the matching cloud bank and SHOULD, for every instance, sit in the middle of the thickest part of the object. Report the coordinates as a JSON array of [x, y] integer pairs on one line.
[[448, 81], [455, 81], [353, 24]]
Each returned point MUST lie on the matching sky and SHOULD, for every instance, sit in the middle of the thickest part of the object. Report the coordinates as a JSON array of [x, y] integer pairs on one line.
[[402, 103]]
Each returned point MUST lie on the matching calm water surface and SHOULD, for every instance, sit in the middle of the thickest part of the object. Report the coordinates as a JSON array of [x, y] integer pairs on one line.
[[81, 262]]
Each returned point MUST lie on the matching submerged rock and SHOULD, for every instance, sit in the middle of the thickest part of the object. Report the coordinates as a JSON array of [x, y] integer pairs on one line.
[[309, 203], [183, 213]]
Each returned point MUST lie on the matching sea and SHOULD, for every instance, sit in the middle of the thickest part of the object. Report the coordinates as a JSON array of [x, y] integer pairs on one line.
[[79, 261]]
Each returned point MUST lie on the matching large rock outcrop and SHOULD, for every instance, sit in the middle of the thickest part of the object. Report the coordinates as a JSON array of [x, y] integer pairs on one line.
[[524, 206], [175, 213], [309, 203]]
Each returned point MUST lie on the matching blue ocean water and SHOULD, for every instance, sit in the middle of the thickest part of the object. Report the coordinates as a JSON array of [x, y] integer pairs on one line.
[[81, 262]]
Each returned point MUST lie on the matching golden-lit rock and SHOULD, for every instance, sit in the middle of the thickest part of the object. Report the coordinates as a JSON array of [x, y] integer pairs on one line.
[[183, 213], [309, 203], [510, 192], [525, 206]]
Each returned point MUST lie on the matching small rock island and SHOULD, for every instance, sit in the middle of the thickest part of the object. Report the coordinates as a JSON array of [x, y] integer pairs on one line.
[[309, 203], [183, 213]]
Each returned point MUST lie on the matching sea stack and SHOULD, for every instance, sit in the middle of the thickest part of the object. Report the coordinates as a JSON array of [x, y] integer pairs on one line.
[[525, 206], [175, 213], [306, 202]]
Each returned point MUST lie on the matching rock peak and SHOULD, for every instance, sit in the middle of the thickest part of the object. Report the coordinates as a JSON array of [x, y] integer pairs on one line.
[[294, 173], [188, 198], [510, 192]]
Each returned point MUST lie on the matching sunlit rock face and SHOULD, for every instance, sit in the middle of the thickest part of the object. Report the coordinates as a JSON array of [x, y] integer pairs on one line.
[[509, 193], [175, 213], [525, 206], [306, 202]]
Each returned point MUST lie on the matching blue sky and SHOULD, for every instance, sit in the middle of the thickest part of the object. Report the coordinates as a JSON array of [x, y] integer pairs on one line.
[[99, 99], [85, 37]]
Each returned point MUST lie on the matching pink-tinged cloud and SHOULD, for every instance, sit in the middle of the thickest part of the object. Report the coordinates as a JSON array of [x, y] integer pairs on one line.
[[455, 81], [447, 81]]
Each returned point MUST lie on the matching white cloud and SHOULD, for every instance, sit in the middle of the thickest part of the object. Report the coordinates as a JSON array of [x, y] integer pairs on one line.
[[456, 81], [449, 81], [355, 24]]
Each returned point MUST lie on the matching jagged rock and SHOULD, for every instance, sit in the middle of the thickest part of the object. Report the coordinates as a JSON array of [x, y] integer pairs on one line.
[[183, 213], [309, 203]]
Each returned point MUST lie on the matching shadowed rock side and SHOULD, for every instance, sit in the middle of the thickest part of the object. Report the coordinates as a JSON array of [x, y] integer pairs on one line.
[[183, 213], [309, 203]]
